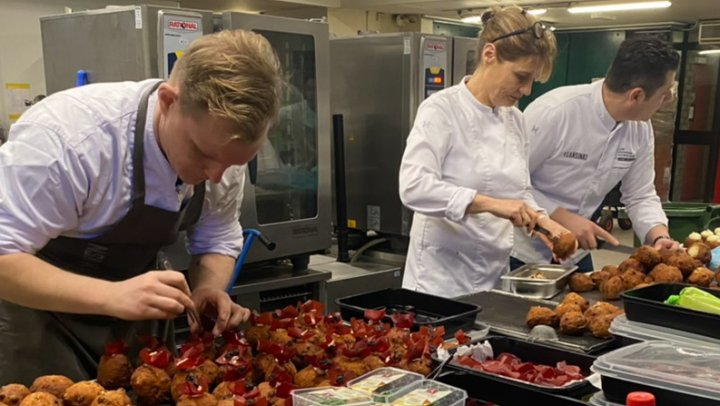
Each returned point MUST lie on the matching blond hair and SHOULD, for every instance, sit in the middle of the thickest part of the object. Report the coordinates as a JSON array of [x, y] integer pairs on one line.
[[232, 74], [498, 21]]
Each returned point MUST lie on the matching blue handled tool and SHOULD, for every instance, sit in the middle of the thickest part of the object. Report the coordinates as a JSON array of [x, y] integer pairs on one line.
[[249, 234]]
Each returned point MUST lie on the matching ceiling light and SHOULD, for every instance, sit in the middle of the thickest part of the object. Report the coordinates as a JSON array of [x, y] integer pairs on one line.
[[709, 52], [474, 19], [620, 7], [537, 11]]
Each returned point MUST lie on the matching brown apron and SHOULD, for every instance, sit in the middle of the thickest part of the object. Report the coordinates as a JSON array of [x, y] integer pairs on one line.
[[35, 342]]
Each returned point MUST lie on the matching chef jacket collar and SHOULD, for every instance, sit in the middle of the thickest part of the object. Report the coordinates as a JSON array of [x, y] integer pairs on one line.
[[598, 104], [475, 102]]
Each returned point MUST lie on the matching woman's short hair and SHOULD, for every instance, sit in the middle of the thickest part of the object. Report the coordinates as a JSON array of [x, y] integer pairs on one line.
[[500, 21], [232, 74]]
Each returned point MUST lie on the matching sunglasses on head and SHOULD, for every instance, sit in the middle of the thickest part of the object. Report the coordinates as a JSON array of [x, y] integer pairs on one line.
[[537, 29]]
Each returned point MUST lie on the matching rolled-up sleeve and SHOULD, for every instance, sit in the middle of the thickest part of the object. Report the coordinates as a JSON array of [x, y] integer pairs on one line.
[[218, 230], [422, 187], [638, 190]]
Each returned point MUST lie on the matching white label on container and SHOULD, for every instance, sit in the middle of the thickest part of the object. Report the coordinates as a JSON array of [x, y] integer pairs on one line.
[[138, 18], [330, 396], [370, 384], [421, 397], [406, 46]]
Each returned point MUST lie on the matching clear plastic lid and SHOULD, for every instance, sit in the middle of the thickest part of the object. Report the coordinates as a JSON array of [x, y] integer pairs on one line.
[[386, 384], [432, 393], [598, 399], [684, 369], [623, 327], [328, 396]]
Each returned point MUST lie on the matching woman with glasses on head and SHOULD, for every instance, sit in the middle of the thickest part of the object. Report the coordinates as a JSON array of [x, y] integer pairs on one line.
[[465, 171]]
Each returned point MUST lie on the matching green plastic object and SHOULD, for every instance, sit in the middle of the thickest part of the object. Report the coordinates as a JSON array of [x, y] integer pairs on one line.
[[696, 299], [687, 217]]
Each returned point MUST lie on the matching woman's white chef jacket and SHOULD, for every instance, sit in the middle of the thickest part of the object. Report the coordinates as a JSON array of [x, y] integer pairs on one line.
[[457, 148], [578, 153]]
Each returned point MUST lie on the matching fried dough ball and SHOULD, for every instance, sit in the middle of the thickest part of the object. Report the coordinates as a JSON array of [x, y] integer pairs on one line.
[[41, 399], [684, 262], [630, 263], [642, 285], [701, 276], [13, 394], [114, 371], [205, 399], [713, 241], [280, 336], [666, 253], [600, 326], [419, 366], [611, 269], [53, 384], [573, 323], [563, 308], [666, 273], [573, 297], [211, 370], [116, 397], [632, 278], [82, 393], [601, 308], [538, 315], [598, 277], [647, 256], [612, 288], [564, 246], [254, 334], [373, 362], [700, 252], [309, 377], [580, 282], [691, 239], [352, 365], [151, 385]]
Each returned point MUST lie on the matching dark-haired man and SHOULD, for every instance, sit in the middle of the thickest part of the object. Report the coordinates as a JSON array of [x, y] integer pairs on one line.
[[585, 139]]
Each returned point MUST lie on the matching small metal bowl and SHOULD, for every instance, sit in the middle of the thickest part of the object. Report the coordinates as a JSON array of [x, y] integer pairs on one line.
[[537, 281]]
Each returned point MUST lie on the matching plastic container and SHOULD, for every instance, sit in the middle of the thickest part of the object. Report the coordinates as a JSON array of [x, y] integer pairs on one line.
[[675, 375], [646, 305], [538, 354], [386, 384], [331, 395], [598, 399], [633, 332], [429, 310], [433, 393]]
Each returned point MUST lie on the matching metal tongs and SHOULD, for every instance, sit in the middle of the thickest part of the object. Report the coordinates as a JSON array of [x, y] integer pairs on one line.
[[164, 263], [542, 230]]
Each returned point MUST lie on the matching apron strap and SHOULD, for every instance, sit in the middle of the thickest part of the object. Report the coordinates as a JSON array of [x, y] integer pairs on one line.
[[138, 193]]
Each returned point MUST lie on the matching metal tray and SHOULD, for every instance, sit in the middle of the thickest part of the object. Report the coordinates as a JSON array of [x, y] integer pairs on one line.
[[523, 281], [505, 314]]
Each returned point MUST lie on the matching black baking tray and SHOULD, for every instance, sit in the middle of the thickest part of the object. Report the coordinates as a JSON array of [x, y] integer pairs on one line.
[[497, 387], [616, 390], [429, 310], [646, 305], [506, 314]]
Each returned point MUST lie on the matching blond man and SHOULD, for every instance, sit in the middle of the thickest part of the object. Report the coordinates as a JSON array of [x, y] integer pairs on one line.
[[94, 180]]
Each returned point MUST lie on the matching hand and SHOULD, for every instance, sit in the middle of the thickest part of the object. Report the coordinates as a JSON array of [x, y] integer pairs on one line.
[[218, 304], [666, 244], [517, 211], [154, 295], [584, 230]]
